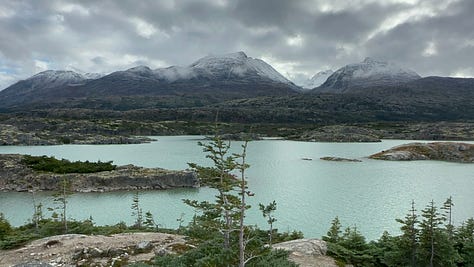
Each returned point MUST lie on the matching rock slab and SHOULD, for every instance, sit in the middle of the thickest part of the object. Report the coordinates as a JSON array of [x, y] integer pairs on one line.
[[15, 176], [444, 151], [307, 252]]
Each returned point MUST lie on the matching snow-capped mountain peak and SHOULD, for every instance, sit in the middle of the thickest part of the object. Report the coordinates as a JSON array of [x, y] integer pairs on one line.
[[236, 64], [369, 73], [54, 78]]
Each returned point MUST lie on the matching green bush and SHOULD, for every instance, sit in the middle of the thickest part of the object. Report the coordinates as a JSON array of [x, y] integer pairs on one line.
[[5, 227], [51, 164]]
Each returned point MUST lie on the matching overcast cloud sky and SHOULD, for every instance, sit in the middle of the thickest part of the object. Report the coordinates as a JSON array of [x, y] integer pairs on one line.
[[298, 38]]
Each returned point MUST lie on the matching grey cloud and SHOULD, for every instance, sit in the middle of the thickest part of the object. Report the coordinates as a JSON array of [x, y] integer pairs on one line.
[[102, 36], [449, 32]]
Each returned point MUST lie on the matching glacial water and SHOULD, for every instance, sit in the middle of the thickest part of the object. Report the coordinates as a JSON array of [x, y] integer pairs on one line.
[[309, 193]]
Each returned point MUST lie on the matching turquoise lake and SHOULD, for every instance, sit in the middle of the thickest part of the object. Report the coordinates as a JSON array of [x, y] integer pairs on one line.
[[309, 193]]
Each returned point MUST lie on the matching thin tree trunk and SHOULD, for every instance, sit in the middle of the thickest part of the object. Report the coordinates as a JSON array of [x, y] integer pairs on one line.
[[270, 235], [413, 235], [432, 246], [64, 207], [227, 217], [242, 209], [35, 215]]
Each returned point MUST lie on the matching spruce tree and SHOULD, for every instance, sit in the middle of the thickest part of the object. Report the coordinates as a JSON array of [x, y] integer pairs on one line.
[[334, 233], [60, 198], [137, 210], [226, 214], [267, 212], [448, 209], [408, 241], [464, 243], [435, 247]]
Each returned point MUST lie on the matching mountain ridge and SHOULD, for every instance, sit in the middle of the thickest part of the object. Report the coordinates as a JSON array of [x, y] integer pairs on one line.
[[368, 73], [227, 76]]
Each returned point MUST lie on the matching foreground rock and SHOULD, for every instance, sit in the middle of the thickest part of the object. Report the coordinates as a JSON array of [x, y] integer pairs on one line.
[[307, 252], [445, 151], [98, 250], [339, 133], [14, 176]]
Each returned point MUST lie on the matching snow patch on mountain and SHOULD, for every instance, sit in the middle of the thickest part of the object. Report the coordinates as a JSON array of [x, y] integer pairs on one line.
[[368, 73], [54, 78], [372, 67], [317, 79]]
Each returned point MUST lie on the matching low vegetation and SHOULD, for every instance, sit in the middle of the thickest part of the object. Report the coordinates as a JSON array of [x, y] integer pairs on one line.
[[51, 164]]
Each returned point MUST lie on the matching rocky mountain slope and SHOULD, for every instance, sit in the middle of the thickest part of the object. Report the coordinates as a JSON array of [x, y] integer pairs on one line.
[[366, 74], [317, 79]]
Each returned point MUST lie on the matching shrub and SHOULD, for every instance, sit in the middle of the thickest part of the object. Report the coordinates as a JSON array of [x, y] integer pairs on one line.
[[51, 164]]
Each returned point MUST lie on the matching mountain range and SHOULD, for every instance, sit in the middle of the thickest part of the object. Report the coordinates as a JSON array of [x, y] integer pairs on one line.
[[223, 77], [216, 80]]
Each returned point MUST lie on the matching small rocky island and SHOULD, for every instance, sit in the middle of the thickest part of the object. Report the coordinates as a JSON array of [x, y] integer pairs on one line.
[[340, 159], [445, 151], [15, 175]]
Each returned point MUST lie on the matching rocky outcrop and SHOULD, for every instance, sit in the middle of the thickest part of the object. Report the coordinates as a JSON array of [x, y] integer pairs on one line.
[[445, 151], [94, 250], [307, 252], [340, 159], [14, 176], [339, 133]]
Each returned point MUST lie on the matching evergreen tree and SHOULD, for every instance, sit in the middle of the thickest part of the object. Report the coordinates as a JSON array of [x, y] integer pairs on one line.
[[408, 241], [137, 210], [226, 214], [334, 233], [150, 221], [464, 243], [37, 211], [5, 227], [219, 177], [267, 212], [60, 198], [435, 247], [448, 209]]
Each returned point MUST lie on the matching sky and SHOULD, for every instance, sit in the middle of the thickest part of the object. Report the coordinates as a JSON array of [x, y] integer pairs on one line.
[[298, 38]]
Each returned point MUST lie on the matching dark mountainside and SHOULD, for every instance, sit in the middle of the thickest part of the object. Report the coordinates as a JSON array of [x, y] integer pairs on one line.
[[244, 90]]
